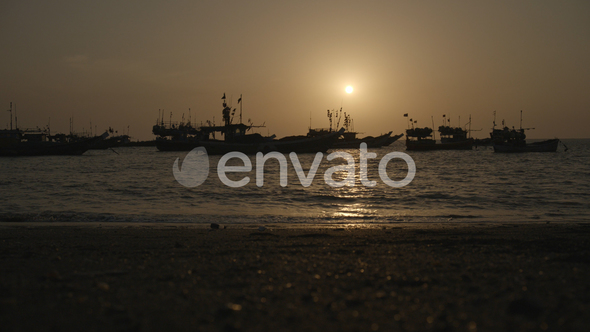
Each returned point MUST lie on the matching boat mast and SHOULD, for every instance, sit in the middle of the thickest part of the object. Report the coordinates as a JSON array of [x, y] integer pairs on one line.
[[520, 119], [240, 102], [15, 118], [433, 132], [494, 123], [10, 110]]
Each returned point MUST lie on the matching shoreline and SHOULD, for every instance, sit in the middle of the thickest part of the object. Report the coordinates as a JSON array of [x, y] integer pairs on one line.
[[149, 277]]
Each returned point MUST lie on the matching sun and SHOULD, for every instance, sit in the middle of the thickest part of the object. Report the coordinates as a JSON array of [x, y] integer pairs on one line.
[[348, 89]]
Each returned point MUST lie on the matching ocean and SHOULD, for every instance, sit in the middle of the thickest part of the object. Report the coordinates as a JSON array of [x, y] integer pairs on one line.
[[137, 184]]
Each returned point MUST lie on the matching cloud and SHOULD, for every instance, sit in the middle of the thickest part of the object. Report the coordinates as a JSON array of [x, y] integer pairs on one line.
[[77, 61]]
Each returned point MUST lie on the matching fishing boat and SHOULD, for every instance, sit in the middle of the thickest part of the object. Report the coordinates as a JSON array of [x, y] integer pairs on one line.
[[39, 142], [349, 138], [185, 137], [451, 138], [35, 142], [508, 140], [421, 139]]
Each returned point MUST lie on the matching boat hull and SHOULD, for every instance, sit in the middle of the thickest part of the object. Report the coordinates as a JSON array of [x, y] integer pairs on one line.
[[372, 142], [392, 139], [544, 146], [50, 148], [304, 145], [461, 145]]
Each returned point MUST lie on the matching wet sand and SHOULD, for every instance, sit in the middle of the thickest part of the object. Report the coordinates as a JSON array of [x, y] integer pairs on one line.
[[439, 277]]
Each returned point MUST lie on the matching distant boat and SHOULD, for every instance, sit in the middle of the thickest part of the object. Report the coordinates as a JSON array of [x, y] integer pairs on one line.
[[507, 140], [111, 142], [185, 137], [421, 139], [38, 143], [291, 144], [544, 146], [349, 138], [482, 142], [353, 142]]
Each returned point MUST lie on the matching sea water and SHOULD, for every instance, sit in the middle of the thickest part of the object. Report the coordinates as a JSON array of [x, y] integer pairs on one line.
[[136, 184]]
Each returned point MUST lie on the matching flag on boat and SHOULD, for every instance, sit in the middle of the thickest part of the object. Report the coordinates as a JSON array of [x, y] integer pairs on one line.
[[223, 96], [240, 99], [405, 115]]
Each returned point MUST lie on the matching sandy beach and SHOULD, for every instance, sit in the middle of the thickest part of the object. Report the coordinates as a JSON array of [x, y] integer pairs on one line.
[[154, 277]]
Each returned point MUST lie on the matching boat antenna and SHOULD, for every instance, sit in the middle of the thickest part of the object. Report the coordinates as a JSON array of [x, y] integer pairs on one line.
[[309, 120], [520, 119], [15, 117], [240, 102]]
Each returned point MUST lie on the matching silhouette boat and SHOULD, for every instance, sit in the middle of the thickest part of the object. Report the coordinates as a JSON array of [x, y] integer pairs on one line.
[[507, 140], [185, 137], [421, 139], [392, 139], [451, 138], [349, 138], [112, 141], [35, 142]]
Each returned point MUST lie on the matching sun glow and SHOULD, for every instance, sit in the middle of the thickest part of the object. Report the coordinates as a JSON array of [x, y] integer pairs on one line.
[[348, 89]]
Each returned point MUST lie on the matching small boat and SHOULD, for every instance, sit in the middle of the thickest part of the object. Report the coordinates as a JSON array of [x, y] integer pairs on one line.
[[36, 142], [185, 137], [507, 140], [392, 139], [351, 142], [111, 142]]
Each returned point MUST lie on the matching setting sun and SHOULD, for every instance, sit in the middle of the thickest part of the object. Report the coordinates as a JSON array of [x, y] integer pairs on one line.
[[348, 89]]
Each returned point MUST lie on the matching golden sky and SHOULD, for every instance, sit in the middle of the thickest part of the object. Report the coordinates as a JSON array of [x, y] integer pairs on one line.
[[116, 63]]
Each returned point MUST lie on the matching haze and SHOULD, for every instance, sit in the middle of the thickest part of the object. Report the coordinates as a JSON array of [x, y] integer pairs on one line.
[[116, 63]]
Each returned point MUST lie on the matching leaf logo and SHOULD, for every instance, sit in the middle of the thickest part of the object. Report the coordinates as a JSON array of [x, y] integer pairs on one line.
[[195, 168]]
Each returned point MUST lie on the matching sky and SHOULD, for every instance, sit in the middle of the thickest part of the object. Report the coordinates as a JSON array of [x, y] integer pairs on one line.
[[118, 63]]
